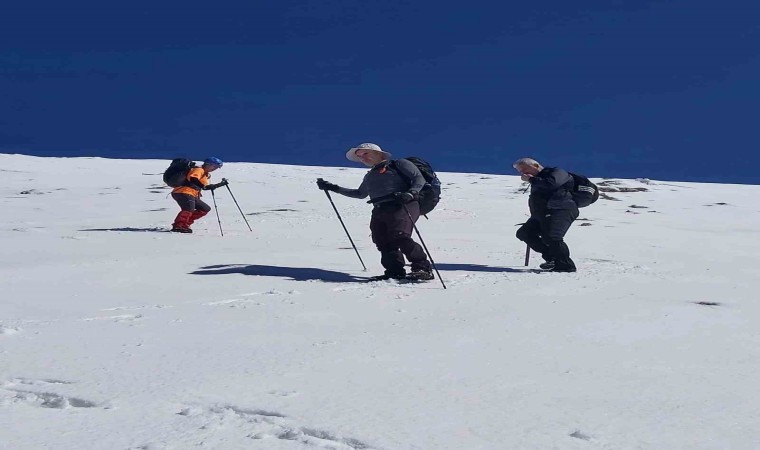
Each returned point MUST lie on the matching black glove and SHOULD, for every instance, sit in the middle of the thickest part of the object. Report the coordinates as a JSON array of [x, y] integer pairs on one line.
[[326, 185], [405, 197], [211, 187], [224, 182]]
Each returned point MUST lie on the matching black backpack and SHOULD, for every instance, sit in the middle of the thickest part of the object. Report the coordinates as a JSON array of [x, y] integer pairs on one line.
[[584, 192], [430, 194], [176, 174]]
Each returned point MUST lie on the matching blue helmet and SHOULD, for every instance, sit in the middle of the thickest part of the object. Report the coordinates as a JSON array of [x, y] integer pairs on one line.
[[213, 161]]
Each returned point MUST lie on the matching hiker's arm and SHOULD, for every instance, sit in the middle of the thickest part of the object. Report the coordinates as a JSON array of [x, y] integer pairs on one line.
[[196, 183], [550, 182], [211, 187], [412, 173], [360, 192]]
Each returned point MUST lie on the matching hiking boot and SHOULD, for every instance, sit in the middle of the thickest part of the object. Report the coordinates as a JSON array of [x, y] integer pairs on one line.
[[420, 275], [181, 230], [387, 276], [390, 276], [548, 265]]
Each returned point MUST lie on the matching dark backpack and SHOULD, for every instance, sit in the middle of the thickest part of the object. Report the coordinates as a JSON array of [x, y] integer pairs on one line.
[[176, 174], [584, 192], [430, 194]]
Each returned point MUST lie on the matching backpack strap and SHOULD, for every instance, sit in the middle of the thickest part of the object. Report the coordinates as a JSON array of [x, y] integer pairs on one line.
[[393, 164]]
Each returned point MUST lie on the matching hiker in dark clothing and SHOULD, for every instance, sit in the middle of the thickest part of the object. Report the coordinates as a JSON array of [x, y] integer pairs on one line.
[[390, 185], [552, 211]]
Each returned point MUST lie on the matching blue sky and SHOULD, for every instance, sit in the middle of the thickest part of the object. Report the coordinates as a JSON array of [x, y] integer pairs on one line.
[[658, 89]]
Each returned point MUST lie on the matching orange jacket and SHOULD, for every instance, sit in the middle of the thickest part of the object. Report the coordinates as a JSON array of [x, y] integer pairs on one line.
[[197, 173]]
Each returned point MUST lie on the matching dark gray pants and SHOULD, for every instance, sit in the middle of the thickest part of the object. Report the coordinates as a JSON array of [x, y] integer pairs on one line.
[[392, 234], [188, 202], [546, 235]]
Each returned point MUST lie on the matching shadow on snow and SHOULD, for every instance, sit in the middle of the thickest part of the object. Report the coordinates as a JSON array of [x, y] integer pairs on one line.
[[311, 273], [294, 273], [126, 229], [482, 268]]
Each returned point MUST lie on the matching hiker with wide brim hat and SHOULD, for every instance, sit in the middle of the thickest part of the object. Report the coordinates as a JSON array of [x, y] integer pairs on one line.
[[352, 156], [389, 188]]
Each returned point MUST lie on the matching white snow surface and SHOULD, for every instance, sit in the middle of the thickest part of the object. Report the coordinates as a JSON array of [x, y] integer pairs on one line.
[[115, 334]]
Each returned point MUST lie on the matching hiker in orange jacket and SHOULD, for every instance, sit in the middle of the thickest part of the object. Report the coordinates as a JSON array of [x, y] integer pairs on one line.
[[188, 197]]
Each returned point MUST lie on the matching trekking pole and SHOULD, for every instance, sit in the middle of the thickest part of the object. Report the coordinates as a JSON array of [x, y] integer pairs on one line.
[[344, 228], [527, 247], [424, 246], [236, 204], [527, 255], [527, 250], [217, 213]]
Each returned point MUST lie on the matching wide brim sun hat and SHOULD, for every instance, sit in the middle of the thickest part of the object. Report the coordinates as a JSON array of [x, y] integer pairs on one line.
[[351, 154]]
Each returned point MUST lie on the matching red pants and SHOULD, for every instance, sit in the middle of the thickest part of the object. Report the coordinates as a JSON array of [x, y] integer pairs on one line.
[[193, 208]]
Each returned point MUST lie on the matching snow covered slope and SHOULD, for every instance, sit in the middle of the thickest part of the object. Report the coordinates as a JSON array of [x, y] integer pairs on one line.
[[116, 336]]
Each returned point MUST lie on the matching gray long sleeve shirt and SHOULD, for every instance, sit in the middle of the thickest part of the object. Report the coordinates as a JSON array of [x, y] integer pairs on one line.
[[387, 178]]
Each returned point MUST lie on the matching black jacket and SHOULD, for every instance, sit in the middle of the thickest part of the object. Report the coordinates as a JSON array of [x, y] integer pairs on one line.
[[551, 189]]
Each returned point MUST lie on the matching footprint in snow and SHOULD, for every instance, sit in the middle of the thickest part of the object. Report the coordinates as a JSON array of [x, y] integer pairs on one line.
[[41, 382], [283, 393], [264, 425], [51, 400], [132, 308], [116, 318], [234, 303], [706, 303], [578, 435], [15, 395], [242, 302], [7, 331]]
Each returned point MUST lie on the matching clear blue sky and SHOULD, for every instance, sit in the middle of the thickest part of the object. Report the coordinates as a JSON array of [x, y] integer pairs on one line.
[[659, 89]]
